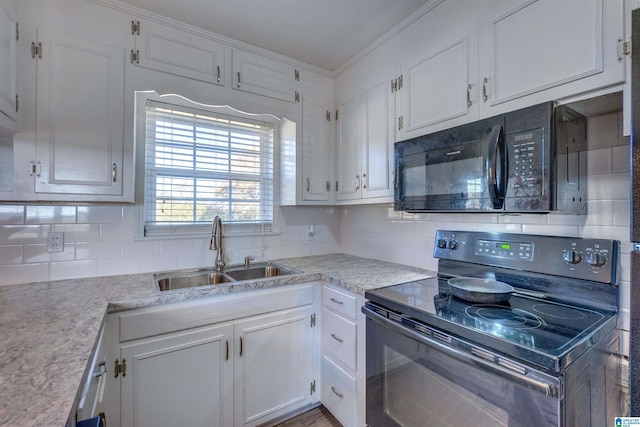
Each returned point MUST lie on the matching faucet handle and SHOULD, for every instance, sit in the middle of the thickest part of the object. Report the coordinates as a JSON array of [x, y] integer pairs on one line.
[[247, 261]]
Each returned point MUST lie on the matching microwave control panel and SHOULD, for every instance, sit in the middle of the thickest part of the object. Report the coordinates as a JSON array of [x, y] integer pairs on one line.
[[525, 154]]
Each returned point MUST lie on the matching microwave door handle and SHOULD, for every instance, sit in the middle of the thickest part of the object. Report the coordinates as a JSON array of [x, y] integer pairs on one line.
[[495, 180]]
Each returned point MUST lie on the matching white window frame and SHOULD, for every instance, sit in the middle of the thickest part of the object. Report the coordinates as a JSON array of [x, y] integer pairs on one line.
[[231, 228]]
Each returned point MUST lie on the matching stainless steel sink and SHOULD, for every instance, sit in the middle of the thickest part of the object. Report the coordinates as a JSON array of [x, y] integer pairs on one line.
[[182, 279], [189, 279], [258, 271]]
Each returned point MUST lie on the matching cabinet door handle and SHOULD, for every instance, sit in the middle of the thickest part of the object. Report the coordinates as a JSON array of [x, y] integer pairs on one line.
[[485, 90], [336, 301], [469, 96], [114, 172], [218, 73], [241, 347], [308, 184], [238, 78], [357, 181], [226, 355], [337, 393], [337, 338]]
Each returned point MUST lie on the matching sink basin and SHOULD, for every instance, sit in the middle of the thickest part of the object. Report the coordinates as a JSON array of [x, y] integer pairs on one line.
[[189, 279], [171, 280], [257, 271]]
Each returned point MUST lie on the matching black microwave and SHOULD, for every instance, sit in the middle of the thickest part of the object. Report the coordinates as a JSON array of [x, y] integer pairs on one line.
[[525, 161]]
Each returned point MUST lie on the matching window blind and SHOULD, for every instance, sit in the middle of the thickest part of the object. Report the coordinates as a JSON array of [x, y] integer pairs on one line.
[[202, 163]]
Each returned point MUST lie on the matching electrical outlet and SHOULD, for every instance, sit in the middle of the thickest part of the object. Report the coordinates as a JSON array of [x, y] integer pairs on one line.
[[55, 242]]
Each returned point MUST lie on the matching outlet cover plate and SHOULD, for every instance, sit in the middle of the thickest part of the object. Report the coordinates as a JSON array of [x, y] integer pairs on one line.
[[55, 241]]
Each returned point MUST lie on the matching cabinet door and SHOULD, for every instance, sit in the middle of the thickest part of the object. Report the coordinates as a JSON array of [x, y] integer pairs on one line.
[[257, 74], [8, 63], [377, 141], [179, 379], [274, 358], [564, 47], [173, 51], [79, 119], [439, 88], [348, 150], [317, 151]]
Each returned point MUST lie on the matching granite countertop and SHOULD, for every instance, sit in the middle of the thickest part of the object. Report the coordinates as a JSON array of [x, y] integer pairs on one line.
[[48, 329]]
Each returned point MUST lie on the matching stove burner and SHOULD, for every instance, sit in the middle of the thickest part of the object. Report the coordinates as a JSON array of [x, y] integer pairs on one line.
[[559, 311], [504, 316]]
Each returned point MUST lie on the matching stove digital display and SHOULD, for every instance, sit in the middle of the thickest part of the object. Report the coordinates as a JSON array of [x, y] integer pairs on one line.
[[502, 249]]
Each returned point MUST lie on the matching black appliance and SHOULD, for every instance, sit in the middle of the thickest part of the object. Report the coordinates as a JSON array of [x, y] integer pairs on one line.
[[550, 355], [523, 161]]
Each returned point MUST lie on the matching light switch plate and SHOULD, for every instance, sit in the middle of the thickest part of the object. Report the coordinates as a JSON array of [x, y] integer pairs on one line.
[[55, 241]]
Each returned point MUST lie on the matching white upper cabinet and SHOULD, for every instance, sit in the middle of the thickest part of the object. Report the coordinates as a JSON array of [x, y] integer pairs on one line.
[[537, 50], [263, 76], [439, 84], [79, 119], [163, 48], [317, 150], [365, 135], [8, 64]]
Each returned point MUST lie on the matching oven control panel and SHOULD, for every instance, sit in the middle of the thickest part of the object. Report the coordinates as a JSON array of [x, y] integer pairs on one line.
[[583, 258]]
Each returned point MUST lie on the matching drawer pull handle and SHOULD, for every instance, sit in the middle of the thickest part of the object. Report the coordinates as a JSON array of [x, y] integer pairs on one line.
[[336, 338], [336, 301], [337, 393]]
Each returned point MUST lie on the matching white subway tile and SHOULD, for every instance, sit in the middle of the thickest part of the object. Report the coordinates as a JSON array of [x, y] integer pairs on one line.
[[99, 214], [78, 232], [156, 263], [23, 273], [140, 247], [551, 230], [11, 254], [40, 253], [117, 231], [73, 269], [10, 214], [50, 214], [602, 131], [23, 234], [200, 259], [98, 249], [117, 266], [599, 162], [608, 187], [620, 159]]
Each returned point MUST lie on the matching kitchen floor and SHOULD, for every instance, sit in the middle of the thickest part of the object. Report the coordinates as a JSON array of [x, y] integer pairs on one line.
[[317, 417]]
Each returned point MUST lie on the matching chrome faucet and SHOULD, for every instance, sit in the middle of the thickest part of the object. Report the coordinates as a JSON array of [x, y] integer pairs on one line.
[[216, 243]]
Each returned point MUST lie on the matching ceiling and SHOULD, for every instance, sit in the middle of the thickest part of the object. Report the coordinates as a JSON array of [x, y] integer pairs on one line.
[[324, 33]]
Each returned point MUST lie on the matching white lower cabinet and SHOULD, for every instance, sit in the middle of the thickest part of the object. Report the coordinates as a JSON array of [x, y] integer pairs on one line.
[[343, 355], [251, 360]]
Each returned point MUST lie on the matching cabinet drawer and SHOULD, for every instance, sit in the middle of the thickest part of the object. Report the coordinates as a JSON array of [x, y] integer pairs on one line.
[[339, 302], [339, 393], [339, 338]]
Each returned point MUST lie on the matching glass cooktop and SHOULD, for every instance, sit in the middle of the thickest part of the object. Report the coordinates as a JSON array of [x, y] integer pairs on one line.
[[532, 329]]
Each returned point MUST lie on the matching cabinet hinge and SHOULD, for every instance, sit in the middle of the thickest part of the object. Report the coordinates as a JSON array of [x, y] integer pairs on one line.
[[623, 48], [313, 320], [135, 56], [336, 115], [400, 122], [394, 85], [17, 31], [328, 116], [312, 387], [328, 186], [400, 82], [135, 28], [336, 186], [296, 96], [296, 74], [17, 103], [36, 50], [120, 368]]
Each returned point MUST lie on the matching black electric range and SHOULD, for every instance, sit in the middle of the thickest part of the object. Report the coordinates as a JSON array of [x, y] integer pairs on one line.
[[568, 296]]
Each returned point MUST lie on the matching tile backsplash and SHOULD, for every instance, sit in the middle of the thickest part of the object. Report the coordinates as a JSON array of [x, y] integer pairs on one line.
[[99, 239]]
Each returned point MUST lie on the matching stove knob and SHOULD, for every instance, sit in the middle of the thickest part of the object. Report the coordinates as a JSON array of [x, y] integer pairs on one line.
[[453, 245], [596, 259], [442, 243], [572, 257]]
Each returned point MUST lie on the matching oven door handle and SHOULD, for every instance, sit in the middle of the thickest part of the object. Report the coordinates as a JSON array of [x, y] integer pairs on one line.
[[540, 385], [495, 167]]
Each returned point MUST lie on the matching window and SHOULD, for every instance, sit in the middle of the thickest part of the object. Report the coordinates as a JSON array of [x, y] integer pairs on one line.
[[200, 163]]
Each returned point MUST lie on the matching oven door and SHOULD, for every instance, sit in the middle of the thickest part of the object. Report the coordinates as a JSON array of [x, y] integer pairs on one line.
[[417, 380]]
